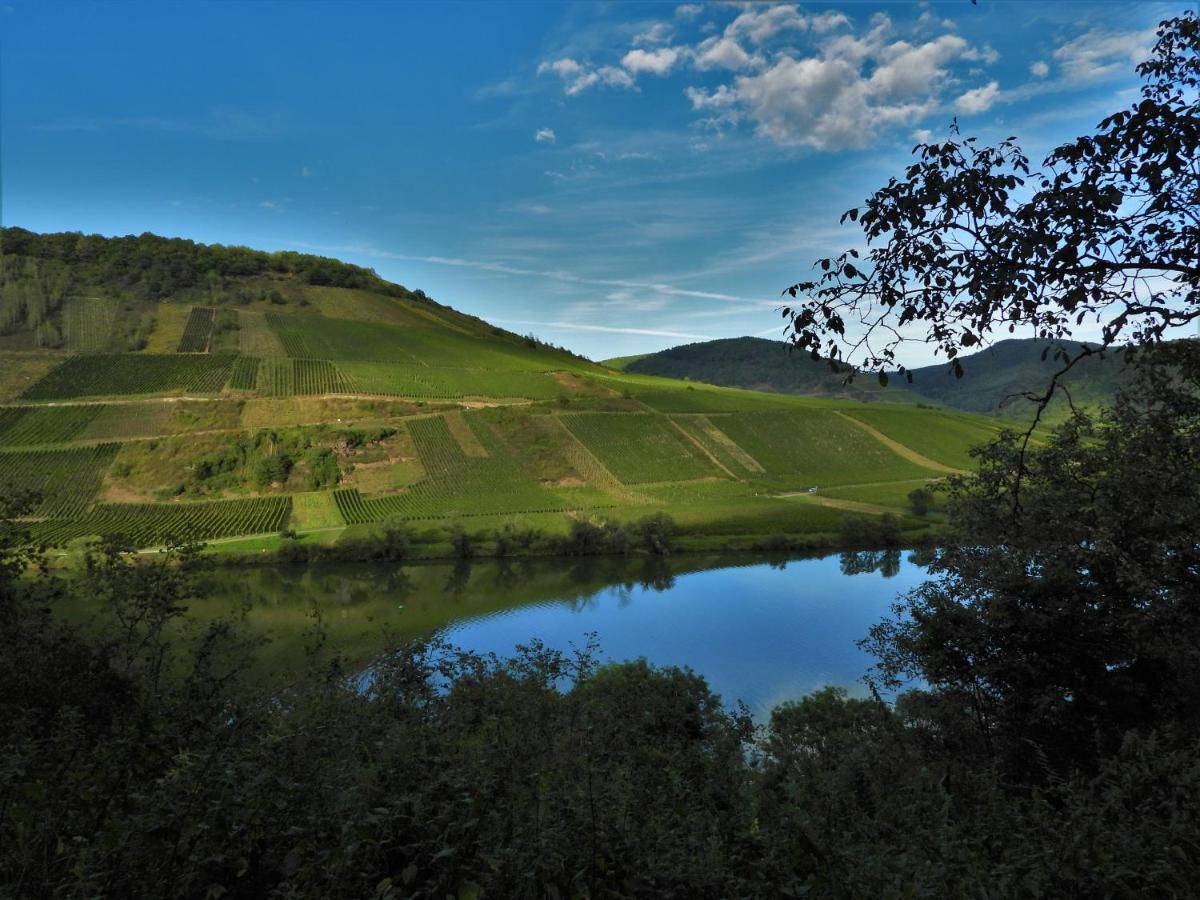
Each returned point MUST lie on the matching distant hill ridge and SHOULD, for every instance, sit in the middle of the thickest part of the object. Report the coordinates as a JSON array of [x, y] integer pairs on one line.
[[992, 377], [747, 362]]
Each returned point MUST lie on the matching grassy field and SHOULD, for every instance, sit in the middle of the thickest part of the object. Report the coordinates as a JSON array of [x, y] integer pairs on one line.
[[397, 409]]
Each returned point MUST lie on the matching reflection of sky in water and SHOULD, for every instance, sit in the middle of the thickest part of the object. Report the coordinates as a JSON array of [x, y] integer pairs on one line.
[[758, 633]]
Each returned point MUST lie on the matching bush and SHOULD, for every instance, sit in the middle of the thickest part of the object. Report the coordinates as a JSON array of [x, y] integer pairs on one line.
[[921, 501]]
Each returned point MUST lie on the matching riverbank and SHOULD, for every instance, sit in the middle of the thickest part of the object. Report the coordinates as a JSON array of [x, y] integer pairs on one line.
[[605, 539]]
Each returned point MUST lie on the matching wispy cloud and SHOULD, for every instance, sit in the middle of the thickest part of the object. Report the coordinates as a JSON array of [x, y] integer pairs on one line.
[[607, 329], [501, 268], [545, 136], [221, 124]]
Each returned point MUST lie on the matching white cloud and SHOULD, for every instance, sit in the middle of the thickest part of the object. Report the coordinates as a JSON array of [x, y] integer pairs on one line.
[[760, 25], [978, 99], [577, 77], [906, 70], [563, 68], [1039, 69], [986, 54], [723, 53], [306, 172], [545, 136], [827, 21], [842, 96], [658, 33], [656, 62], [1099, 53], [689, 10], [922, 135], [722, 98]]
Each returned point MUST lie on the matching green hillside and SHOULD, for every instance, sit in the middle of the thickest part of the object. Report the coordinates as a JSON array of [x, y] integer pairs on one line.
[[992, 376], [161, 389]]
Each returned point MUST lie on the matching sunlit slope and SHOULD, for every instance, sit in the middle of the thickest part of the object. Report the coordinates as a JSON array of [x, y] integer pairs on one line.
[[251, 405]]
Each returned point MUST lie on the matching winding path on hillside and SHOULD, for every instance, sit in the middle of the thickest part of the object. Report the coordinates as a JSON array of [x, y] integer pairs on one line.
[[900, 449]]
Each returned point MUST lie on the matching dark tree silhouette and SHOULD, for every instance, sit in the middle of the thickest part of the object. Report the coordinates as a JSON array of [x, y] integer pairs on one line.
[[971, 240]]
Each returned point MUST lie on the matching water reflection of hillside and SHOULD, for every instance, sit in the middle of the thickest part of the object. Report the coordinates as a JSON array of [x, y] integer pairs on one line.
[[361, 604]]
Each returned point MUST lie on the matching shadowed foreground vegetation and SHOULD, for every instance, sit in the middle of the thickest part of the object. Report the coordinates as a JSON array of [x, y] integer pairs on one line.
[[1052, 751]]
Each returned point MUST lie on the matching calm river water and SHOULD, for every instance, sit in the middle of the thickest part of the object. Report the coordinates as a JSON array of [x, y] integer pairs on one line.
[[761, 631]]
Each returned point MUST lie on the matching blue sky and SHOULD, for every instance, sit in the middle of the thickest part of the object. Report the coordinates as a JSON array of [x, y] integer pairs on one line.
[[617, 178]]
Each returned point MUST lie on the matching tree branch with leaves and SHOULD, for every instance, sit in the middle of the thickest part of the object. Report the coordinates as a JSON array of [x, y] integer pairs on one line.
[[972, 240]]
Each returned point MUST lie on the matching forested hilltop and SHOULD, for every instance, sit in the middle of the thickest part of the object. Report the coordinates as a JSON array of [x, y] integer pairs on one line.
[[130, 275]]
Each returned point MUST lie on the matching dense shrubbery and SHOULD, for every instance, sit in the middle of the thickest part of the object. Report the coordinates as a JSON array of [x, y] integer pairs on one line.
[[268, 457]]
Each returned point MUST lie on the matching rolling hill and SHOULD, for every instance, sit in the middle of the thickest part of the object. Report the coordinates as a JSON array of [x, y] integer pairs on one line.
[[993, 376], [746, 362], [160, 389]]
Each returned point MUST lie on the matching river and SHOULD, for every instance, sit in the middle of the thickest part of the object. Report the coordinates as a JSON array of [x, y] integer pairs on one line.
[[760, 630]]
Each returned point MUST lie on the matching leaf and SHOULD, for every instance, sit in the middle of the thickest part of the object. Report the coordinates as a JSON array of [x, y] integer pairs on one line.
[[883, 379]]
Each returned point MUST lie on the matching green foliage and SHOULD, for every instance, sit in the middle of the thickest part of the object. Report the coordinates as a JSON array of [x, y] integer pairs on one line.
[[322, 468], [1065, 613], [154, 267], [921, 501], [998, 381], [859, 531], [271, 470]]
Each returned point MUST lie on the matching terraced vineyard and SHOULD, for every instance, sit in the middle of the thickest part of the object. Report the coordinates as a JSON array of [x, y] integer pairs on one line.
[[66, 480], [89, 323], [152, 524], [292, 377], [29, 426], [640, 448], [197, 333], [817, 448], [457, 485], [244, 376], [104, 375]]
